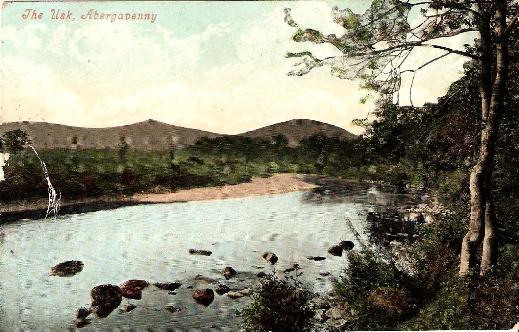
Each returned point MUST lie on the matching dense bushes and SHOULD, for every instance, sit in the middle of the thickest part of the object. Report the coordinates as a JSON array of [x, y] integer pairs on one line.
[[279, 305]]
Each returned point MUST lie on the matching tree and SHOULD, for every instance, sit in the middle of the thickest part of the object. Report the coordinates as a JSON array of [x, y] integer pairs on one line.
[[375, 48], [14, 141]]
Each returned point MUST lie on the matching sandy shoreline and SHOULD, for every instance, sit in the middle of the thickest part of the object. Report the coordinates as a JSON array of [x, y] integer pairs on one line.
[[276, 184]]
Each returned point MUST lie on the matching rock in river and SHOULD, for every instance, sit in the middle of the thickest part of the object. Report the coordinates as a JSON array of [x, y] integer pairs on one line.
[[337, 250], [222, 289], [105, 298], [128, 307], [316, 258], [229, 272], [200, 252], [204, 296], [83, 313], [67, 269], [169, 286], [132, 289], [81, 322], [172, 308], [270, 257]]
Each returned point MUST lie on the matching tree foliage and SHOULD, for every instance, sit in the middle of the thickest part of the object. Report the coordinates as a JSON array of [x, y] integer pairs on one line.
[[14, 141]]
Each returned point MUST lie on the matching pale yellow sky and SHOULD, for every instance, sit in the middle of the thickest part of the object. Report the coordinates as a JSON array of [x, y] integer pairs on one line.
[[213, 66]]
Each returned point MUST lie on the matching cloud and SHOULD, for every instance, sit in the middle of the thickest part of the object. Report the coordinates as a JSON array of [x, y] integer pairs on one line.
[[228, 78], [33, 91]]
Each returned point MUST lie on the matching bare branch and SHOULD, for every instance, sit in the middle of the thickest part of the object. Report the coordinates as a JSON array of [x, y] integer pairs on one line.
[[511, 24]]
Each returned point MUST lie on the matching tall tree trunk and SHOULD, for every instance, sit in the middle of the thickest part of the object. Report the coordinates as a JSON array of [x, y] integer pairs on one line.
[[480, 178], [489, 254]]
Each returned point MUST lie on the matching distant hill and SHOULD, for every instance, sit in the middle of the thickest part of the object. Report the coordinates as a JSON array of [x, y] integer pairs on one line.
[[145, 135], [297, 129], [154, 135]]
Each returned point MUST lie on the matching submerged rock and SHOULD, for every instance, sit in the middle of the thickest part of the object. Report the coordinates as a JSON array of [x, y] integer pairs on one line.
[[204, 296], [200, 252], [316, 258], [105, 298], [132, 289], [229, 272], [82, 313], [337, 250], [81, 322], [169, 286], [270, 257], [347, 245], [128, 307], [67, 269], [222, 289], [292, 268], [172, 308]]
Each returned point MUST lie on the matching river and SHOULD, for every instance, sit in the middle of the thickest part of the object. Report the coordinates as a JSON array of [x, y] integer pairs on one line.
[[151, 242]]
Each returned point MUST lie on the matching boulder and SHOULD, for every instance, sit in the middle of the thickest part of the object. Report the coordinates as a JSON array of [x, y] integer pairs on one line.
[[67, 269], [81, 322], [316, 258], [222, 289], [261, 274], [169, 286], [200, 252], [337, 250], [324, 273], [128, 307], [105, 298], [204, 296], [83, 313], [132, 289], [270, 257], [172, 308], [347, 245], [229, 272]]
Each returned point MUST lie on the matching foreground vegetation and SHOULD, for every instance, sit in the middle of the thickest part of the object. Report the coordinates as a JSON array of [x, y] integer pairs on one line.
[[435, 147]]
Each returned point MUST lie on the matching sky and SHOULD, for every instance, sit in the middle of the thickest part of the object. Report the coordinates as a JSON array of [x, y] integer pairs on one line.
[[215, 66]]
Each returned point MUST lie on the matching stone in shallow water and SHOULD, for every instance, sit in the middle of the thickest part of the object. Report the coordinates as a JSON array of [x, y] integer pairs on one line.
[[270, 257], [316, 258], [128, 307], [67, 269], [132, 289], [204, 296], [81, 322], [82, 313], [229, 272], [172, 308], [337, 250], [200, 252], [169, 286], [105, 298], [222, 289]]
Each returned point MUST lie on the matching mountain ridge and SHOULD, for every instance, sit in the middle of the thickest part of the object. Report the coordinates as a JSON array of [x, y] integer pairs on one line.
[[156, 135]]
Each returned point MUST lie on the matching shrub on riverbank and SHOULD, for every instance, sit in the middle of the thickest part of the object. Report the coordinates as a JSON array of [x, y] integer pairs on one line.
[[278, 305]]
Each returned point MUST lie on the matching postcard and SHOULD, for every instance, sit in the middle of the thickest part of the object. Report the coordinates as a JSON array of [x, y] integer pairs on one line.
[[259, 165]]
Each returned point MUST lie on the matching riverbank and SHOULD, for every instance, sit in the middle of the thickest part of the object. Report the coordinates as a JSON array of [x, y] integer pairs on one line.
[[275, 184]]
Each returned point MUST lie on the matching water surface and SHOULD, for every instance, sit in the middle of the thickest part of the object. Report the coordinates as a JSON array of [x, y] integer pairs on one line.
[[151, 242]]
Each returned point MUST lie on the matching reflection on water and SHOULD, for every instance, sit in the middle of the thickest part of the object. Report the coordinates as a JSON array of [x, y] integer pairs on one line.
[[151, 242]]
